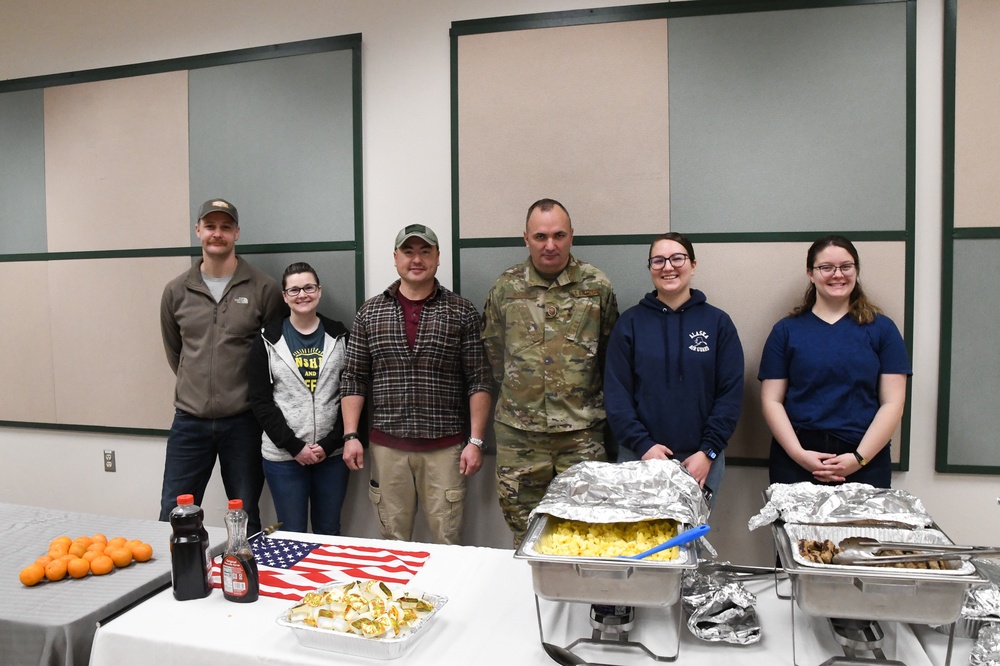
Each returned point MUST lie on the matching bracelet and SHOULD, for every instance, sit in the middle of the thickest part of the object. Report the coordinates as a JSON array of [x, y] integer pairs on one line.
[[478, 443], [349, 436], [860, 458]]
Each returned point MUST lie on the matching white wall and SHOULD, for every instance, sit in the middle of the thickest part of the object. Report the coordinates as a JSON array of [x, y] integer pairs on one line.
[[407, 178]]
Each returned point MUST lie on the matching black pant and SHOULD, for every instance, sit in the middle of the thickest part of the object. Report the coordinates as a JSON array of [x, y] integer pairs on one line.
[[782, 469]]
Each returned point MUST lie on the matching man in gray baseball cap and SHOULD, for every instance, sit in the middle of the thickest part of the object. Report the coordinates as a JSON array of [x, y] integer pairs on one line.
[[209, 316]]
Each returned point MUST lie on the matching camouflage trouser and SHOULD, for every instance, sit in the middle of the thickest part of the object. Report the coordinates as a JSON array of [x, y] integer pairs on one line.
[[528, 461]]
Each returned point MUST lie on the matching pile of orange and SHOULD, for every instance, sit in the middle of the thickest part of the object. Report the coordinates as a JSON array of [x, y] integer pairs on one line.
[[85, 555]]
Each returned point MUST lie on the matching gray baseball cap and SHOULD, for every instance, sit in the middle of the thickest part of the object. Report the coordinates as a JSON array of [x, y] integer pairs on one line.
[[219, 206], [420, 231]]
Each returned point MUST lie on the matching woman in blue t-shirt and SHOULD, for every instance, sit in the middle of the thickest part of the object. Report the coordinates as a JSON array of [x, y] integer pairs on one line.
[[833, 378]]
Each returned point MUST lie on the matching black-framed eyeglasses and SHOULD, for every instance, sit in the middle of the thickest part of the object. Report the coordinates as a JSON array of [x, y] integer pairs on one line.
[[308, 288], [676, 260], [828, 270]]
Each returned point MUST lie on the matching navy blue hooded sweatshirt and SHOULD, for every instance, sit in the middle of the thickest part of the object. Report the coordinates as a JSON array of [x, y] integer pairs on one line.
[[674, 377]]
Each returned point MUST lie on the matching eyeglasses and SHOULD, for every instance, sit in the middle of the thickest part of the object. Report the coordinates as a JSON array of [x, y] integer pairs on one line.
[[827, 270], [676, 260], [309, 289]]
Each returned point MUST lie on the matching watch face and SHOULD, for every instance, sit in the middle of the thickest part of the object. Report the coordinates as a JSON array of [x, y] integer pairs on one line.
[[712, 455]]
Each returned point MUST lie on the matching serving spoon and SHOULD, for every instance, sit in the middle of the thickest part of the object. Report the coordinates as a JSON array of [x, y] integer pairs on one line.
[[679, 540]]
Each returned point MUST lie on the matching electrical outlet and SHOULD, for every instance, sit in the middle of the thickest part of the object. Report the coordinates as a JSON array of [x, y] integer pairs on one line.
[[109, 461]]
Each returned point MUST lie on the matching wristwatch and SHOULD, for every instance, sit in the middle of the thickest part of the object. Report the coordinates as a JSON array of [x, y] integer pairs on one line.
[[711, 453], [349, 436], [478, 443], [860, 458]]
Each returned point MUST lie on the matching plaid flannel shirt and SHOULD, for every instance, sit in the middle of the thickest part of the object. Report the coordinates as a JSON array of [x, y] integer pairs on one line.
[[420, 392]]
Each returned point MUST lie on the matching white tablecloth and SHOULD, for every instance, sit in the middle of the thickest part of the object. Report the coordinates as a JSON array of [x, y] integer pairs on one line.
[[53, 623], [490, 619]]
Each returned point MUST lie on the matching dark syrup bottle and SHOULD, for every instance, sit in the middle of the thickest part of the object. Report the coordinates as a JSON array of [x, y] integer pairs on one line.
[[190, 564], [240, 580]]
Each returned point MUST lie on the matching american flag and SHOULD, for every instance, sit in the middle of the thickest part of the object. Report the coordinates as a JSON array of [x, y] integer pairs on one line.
[[289, 568]]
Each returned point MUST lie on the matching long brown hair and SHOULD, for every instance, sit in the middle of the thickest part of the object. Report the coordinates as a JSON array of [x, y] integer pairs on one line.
[[862, 311]]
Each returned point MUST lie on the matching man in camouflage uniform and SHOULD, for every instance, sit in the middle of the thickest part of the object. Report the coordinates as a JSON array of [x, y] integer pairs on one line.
[[546, 327]]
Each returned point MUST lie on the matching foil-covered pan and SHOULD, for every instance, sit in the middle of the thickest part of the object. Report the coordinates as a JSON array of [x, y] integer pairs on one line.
[[849, 503], [603, 580], [871, 593]]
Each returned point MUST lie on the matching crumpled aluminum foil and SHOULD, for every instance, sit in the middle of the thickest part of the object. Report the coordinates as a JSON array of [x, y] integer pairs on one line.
[[986, 651], [720, 609], [847, 503], [600, 492], [982, 602]]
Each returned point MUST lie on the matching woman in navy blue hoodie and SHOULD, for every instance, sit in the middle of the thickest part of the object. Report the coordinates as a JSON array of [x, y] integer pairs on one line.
[[673, 383]]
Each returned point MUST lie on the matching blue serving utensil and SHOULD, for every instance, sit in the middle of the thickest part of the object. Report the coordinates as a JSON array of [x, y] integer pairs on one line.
[[679, 540]]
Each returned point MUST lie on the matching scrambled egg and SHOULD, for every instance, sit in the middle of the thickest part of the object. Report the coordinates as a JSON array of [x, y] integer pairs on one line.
[[571, 537]]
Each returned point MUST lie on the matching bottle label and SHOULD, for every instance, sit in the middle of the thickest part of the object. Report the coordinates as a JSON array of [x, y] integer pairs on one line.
[[234, 577]]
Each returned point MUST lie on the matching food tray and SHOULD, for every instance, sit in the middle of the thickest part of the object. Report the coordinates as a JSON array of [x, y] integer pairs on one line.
[[360, 646], [872, 593], [836, 533], [603, 580]]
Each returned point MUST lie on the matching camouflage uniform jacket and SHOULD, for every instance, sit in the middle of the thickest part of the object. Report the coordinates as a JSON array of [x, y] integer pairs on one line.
[[546, 345]]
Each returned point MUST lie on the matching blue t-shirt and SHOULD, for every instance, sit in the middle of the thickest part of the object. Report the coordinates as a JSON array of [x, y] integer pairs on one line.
[[307, 350], [833, 370]]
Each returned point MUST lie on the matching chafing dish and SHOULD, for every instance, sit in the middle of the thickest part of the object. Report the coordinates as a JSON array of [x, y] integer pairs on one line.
[[871, 593], [603, 580]]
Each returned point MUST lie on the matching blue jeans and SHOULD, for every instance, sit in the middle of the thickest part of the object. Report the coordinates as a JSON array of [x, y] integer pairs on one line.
[[192, 447], [303, 492], [713, 482]]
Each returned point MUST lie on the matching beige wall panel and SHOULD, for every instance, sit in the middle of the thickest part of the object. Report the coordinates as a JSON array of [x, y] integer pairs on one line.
[[758, 284], [575, 113], [977, 98], [26, 338], [108, 354], [116, 164]]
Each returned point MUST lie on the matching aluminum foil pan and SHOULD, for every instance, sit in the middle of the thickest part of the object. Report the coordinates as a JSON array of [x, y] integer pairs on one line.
[[836, 533], [854, 503], [598, 492]]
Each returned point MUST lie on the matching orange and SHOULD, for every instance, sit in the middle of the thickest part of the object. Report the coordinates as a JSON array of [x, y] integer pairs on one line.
[[78, 568], [85, 540], [97, 547], [142, 552], [101, 565], [58, 551], [117, 541], [122, 557], [64, 541], [55, 570], [44, 559], [31, 574], [100, 537], [77, 549], [67, 557], [91, 554], [132, 543]]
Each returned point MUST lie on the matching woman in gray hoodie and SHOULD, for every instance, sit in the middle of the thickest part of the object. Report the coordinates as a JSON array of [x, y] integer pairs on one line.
[[294, 376]]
